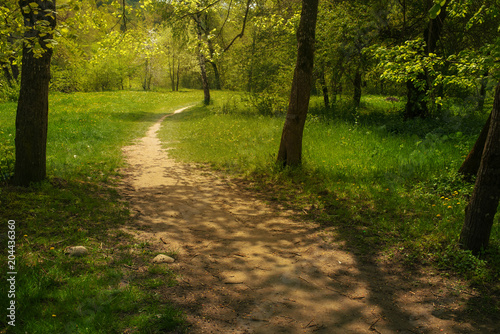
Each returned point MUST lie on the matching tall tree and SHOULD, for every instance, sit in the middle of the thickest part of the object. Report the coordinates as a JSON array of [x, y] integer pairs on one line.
[[33, 106], [416, 105], [290, 151], [484, 201]]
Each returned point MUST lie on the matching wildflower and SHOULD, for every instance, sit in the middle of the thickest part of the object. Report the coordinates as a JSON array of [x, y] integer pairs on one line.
[[438, 215], [51, 248], [449, 206]]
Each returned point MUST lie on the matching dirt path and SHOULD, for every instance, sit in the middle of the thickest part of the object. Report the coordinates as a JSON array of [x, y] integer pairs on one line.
[[247, 267]]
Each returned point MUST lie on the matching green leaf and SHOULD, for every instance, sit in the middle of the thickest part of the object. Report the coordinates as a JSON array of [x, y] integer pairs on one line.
[[435, 10]]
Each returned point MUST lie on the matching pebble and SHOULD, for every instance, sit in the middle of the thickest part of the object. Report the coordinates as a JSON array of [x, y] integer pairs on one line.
[[162, 258], [76, 251]]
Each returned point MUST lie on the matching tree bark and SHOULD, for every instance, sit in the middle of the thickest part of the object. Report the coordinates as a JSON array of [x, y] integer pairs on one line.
[[290, 151], [324, 88], [482, 93], [202, 61], [33, 105], [483, 204], [218, 85], [470, 166], [357, 88]]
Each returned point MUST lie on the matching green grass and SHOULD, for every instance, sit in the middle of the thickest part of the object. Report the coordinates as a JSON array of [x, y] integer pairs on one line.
[[78, 205], [388, 187]]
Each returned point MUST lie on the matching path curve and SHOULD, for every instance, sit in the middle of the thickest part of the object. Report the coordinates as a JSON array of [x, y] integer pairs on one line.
[[248, 267]]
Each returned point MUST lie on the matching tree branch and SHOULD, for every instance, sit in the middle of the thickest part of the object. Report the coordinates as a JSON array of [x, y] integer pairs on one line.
[[242, 28]]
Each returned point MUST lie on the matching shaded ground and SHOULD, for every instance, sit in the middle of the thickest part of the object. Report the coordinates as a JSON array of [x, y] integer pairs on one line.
[[249, 267]]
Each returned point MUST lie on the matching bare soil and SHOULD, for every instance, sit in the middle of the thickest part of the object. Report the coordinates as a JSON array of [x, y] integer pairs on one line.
[[247, 266]]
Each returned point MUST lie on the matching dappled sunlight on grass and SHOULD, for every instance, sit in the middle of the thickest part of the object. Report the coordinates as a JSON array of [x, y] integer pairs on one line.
[[388, 185]]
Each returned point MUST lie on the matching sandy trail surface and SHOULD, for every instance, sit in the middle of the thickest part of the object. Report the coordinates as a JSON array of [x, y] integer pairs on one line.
[[247, 266]]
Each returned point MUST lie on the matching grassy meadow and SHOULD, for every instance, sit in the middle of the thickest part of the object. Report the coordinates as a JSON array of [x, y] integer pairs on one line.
[[386, 188]]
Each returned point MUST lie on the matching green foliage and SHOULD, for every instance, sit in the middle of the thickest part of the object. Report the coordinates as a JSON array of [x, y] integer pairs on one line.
[[8, 93]]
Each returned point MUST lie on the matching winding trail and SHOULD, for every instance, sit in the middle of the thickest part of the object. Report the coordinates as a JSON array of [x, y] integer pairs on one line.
[[249, 267]]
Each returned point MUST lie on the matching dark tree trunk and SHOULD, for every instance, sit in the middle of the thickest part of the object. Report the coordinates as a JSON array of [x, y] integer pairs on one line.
[[171, 72], [483, 204], [357, 88], [178, 75], [324, 88], [470, 166], [416, 105], [6, 72], [482, 93], [33, 105], [10, 70], [202, 61], [218, 85], [290, 151], [14, 68]]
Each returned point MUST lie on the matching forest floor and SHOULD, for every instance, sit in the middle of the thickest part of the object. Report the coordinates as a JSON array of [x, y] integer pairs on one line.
[[247, 265]]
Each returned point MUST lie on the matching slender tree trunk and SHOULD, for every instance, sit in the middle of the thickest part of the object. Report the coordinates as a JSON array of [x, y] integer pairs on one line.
[[470, 166], [33, 105], [218, 85], [357, 88], [202, 63], [171, 70], [290, 151], [178, 75], [324, 88], [483, 204], [482, 93], [204, 79], [14, 68], [6, 72]]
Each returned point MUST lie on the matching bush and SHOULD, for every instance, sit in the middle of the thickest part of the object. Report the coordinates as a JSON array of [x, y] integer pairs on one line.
[[9, 93], [268, 104]]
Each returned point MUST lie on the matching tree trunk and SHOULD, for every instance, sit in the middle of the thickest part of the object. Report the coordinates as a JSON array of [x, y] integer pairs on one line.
[[33, 105], [6, 72], [178, 75], [357, 88], [218, 85], [324, 88], [470, 166], [171, 72], [416, 105], [482, 93], [290, 151], [202, 61], [483, 204]]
